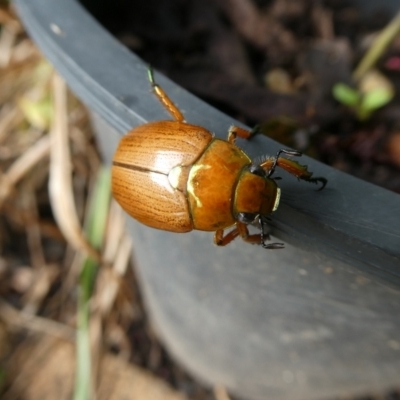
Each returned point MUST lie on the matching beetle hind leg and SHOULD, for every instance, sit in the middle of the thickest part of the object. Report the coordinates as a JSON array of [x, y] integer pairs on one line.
[[164, 98], [236, 131]]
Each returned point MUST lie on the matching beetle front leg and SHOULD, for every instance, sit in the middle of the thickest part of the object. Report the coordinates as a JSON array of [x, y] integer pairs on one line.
[[293, 167], [242, 230]]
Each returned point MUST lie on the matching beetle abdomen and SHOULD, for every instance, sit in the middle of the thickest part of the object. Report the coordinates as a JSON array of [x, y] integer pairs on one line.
[[148, 197]]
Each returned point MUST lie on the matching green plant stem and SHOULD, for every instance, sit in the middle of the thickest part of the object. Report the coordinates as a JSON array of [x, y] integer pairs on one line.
[[378, 47], [83, 356], [95, 227]]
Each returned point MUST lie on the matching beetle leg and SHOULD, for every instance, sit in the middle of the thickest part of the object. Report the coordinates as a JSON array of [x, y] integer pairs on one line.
[[272, 162], [293, 167], [239, 230], [244, 233], [222, 240], [235, 131], [265, 236], [164, 99], [242, 230]]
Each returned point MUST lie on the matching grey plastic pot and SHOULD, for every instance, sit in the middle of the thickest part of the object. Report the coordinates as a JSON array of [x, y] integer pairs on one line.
[[315, 320]]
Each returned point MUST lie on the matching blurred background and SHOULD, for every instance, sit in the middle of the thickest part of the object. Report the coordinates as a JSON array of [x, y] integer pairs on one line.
[[71, 319], [321, 76]]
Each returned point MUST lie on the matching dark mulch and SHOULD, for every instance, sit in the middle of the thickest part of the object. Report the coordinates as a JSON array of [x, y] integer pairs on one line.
[[274, 62]]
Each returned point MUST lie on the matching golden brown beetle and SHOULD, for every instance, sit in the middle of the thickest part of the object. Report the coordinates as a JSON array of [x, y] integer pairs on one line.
[[175, 176]]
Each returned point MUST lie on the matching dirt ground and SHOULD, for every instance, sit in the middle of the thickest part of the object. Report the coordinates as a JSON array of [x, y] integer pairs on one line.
[[274, 63]]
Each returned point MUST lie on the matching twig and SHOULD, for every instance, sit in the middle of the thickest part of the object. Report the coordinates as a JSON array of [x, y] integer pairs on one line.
[[13, 316], [378, 47], [60, 183]]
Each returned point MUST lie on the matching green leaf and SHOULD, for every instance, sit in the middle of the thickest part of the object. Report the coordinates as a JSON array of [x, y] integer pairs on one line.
[[38, 113], [345, 94], [376, 98]]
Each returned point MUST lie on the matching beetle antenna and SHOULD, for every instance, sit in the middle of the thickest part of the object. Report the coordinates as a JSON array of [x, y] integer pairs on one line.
[[150, 74], [265, 236]]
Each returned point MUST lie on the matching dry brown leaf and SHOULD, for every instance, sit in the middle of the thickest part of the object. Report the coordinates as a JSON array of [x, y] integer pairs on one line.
[[49, 375], [221, 393], [117, 378], [20, 320]]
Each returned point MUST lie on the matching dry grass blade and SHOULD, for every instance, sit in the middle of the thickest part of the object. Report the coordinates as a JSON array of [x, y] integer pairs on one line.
[[118, 247], [115, 232], [60, 183], [9, 117], [22, 166], [380, 44], [20, 319], [7, 39], [110, 279]]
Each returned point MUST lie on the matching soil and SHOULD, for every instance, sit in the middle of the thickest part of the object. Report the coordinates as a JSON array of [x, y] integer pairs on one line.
[[274, 63]]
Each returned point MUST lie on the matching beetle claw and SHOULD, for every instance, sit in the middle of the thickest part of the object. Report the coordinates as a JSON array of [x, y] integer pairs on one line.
[[273, 246], [323, 181], [318, 180], [293, 153], [265, 236]]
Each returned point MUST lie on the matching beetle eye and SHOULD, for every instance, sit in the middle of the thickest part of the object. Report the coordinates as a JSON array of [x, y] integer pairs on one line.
[[247, 218], [257, 170]]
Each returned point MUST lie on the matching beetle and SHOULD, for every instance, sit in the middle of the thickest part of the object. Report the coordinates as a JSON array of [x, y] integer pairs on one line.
[[175, 176]]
